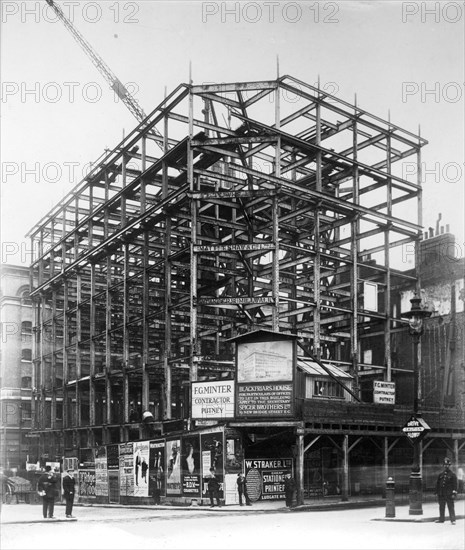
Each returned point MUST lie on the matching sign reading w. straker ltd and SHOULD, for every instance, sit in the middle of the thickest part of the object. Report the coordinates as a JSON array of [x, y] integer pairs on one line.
[[213, 400], [265, 477]]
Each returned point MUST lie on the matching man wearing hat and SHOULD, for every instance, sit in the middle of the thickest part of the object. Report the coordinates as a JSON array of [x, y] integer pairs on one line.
[[69, 484], [47, 490], [446, 490]]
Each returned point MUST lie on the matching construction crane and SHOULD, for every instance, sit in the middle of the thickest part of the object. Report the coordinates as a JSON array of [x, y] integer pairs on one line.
[[114, 82]]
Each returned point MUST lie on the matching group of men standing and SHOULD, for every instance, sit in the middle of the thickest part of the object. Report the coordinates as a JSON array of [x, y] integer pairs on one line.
[[48, 487]]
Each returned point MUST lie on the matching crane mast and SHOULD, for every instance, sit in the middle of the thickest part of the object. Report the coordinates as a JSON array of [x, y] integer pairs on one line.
[[114, 82]]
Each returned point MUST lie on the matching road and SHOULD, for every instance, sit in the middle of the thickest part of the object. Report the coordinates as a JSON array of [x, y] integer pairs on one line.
[[333, 529]]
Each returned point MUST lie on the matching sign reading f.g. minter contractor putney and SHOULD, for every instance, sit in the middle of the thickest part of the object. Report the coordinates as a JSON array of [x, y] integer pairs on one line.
[[213, 400]]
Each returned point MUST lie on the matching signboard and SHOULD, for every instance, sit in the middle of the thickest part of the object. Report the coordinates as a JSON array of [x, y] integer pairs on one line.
[[416, 429], [265, 477], [236, 301], [384, 392], [232, 247], [265, 376], [265, 361], [275, 399], [212, 400]]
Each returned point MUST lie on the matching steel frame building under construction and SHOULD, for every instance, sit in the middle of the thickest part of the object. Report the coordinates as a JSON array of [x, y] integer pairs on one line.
[[267, 204]]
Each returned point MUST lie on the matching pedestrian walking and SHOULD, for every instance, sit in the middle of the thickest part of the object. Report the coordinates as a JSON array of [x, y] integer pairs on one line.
[[242, 490], [213, 489], [47, 486], [289, 489], [69, 484], [446, 490]]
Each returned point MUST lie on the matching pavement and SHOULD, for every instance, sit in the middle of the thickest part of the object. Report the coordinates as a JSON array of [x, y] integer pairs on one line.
[[372, 508]]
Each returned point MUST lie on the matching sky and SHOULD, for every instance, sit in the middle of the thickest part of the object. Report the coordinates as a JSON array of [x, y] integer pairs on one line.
[[400, 59]]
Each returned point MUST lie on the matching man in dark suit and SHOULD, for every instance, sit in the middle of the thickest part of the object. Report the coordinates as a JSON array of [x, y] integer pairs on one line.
[[446, 490], [69, 484], [47, 486], [242, 489], [289, 489]]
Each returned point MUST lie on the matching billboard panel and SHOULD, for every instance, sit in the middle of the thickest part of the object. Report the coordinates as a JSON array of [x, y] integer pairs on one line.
[[173, 467], [191, 465], [212, 400], [265, 477]]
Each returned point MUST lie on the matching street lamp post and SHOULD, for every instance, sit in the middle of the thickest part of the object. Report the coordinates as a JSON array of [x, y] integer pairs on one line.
[[416, 317]]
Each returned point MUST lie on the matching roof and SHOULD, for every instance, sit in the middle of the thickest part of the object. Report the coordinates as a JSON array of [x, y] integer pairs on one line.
[[311, 367], [262, 335]]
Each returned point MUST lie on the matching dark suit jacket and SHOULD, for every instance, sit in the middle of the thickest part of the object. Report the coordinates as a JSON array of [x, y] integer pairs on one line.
[[446, 484]]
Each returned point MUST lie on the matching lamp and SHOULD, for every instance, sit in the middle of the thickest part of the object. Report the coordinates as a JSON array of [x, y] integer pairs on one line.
[[416, 317]]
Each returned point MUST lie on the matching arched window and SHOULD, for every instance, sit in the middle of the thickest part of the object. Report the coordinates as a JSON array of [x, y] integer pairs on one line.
[[26, 354], [26, 298]]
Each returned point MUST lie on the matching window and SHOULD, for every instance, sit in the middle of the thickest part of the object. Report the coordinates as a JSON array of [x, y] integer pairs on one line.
[[26, 354], [327, 388], [26, 298], [26, 410], [26, 382], [26, 328]]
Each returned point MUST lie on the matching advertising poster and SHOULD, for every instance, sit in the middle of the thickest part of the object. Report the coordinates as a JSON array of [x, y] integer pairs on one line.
[[126, 469], [265, 477], [87, 483], [234, 452], [191, 465], [157, 469], [86, 459], [113, 457], [101, 472], [212, 457], [173, 467], [141, 467], [265, 361]]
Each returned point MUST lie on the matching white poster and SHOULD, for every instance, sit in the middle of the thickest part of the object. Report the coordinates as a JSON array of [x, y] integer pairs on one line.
[[141, 468], [213, 400]]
